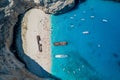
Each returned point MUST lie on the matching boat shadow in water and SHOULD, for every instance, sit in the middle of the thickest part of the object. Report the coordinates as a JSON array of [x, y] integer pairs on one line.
[[30, 64]]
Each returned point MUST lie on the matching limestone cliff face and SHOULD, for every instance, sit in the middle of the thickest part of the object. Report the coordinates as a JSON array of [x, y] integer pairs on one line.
[[57, 6], [10, 67]]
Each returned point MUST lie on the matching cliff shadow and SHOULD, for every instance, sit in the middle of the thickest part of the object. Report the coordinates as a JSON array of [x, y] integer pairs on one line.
[[76, 6]]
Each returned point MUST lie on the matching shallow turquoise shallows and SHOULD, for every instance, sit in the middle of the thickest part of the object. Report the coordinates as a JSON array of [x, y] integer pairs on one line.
[[92, 31]]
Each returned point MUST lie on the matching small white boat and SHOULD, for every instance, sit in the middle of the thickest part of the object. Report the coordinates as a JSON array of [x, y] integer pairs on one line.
[[104, 20], [71, 17], [82, 19], [92, 17], [99, 45], [85, 32], [61, 56]]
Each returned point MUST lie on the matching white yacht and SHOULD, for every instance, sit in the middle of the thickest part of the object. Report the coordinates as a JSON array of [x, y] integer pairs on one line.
[[61, 56], [85, 32]]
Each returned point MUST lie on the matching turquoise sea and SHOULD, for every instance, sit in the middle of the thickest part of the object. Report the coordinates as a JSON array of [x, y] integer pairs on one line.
[[92, 31]]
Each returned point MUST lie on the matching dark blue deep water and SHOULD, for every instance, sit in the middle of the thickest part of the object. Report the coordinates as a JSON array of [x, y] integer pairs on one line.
[[94, 55]]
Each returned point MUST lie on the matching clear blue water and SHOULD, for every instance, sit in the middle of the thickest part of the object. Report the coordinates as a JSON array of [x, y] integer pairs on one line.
[[93, 56]]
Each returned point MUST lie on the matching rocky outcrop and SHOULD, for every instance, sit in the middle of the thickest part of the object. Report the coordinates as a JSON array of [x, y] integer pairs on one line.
[[57, 6]]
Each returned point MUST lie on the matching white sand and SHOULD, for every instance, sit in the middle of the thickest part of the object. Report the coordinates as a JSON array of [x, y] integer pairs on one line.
[[36, 22]]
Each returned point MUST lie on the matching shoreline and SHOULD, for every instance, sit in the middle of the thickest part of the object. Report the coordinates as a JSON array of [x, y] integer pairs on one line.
[[36, 23]]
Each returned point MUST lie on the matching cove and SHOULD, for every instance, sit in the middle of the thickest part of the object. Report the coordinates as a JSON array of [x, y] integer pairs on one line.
[[92, 31]]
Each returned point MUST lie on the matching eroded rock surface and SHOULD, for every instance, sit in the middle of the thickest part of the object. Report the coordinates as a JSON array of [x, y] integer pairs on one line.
[[57, 6]]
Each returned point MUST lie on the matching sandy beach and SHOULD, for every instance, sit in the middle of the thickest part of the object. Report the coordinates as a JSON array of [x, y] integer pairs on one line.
[[36, 37]]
